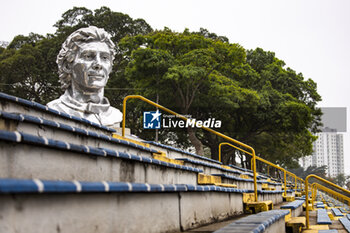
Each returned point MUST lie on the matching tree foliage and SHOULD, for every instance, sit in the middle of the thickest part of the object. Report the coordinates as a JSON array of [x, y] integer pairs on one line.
[[303, 173], [259, 100]]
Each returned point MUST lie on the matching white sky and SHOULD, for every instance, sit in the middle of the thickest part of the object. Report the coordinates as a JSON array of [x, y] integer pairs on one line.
[[311, 36]]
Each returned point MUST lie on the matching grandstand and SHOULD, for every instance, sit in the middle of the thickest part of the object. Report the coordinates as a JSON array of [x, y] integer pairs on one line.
[[60, 173]]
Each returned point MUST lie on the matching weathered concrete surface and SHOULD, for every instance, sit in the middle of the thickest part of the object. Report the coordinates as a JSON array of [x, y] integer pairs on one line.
[[276, 198], [203, 208], [72, 137], [215, 226], [209, 170], [95, 213], [28, 161], [297, 212], [279, 226], [13, 107], [278, 187], [241, 184], [175, 154]]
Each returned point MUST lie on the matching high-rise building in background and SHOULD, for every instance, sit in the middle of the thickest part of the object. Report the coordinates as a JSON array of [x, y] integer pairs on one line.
[[328, 150]]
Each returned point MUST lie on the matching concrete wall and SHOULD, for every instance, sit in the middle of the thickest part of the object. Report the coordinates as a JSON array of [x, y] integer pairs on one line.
[[28, 161], [297, 212], [279, 226], [276, 198], [107, 213], [72, 137], [202, 208], [118, 212]]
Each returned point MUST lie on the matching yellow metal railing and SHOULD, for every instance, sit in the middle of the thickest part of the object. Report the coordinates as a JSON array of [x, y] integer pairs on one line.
[[277, 167], [316, 186], [307, 194], [205, 128], [264, 161]]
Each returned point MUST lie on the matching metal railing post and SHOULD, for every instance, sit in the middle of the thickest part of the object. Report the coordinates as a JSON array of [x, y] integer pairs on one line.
[[285, 182]]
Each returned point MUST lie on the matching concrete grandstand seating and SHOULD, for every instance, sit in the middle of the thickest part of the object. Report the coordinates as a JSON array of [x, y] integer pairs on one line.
[[296, 207], [56, 170], [346, 223], [91, 206], [322, 217], [53, 159], [337, 212]]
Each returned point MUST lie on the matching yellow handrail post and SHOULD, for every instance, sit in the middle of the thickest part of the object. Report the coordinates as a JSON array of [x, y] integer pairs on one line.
[[203, 127], [220, 145], [285, 182], [307, 203], [313, 194], [255, 177]]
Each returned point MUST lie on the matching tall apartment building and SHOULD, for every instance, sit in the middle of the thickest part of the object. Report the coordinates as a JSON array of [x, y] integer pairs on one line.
[[328, 150]]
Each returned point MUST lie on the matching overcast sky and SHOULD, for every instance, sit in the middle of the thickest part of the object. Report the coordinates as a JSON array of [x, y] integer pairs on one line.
[[311, 36]]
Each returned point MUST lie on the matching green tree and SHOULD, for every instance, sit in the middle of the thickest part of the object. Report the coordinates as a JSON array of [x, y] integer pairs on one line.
[[179, 67], [259, 101], [28, 70], [303, 173]]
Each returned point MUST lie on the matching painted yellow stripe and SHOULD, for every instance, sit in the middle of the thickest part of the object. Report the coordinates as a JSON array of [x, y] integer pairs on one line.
[[244, 176], [208, 179], [165, 159], [227, 167], [226, 185], [130, 140]]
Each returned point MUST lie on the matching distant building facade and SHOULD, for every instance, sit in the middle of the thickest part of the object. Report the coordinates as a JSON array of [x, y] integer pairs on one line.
[[328, 150]]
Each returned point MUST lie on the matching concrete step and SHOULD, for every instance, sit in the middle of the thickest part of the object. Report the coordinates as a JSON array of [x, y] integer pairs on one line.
[[60, 173], [29, 156], [295, 207], [175, 153], [64, 206], [29, 117], [65, 132], [247, 183]]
